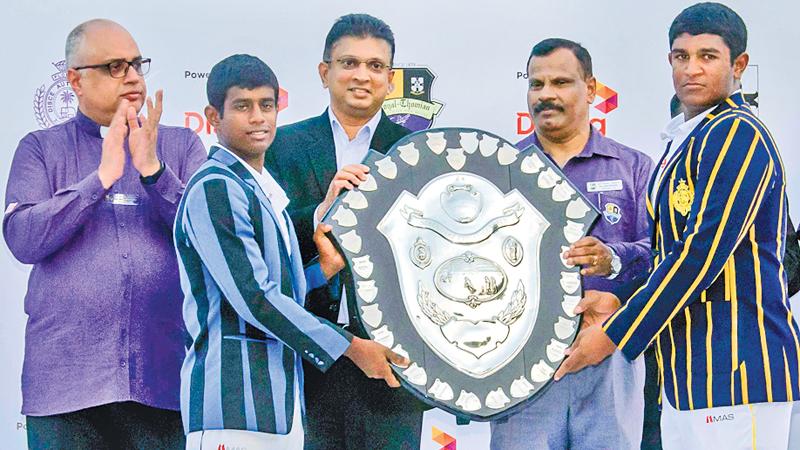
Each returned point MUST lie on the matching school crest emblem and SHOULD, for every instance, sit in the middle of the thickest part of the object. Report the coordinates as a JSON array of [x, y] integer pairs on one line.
[[682, 198]]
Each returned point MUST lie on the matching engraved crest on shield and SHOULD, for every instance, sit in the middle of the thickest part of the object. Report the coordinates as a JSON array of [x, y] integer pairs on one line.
[[454, 246], [461, 303]]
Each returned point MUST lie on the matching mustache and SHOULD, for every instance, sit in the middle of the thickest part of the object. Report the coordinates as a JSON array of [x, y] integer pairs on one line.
[[545, 105]]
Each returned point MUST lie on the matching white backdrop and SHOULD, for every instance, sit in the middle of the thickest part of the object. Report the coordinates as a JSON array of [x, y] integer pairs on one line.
[[477, 52]]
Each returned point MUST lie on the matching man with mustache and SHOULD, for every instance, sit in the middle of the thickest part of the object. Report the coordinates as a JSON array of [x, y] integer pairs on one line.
[[614, 178], [344, 410], [715, 304], [91, 203]]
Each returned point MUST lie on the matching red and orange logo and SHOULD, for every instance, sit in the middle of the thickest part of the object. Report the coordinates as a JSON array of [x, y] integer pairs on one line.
[[445, 440], [609, 97]]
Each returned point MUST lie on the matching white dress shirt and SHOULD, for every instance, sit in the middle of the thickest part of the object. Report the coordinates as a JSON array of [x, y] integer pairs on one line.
[[676, 131], [350, 152]]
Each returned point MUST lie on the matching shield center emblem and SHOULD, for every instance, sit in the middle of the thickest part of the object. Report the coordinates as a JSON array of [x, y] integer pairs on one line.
[[475, 298]]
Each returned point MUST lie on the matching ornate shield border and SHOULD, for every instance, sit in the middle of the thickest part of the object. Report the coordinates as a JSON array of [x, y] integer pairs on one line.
[[374, 294]]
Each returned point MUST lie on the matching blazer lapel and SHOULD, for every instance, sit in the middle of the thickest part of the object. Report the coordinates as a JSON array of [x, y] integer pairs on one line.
[[670, 164], [321, 151], [241, 171], [295, 259], [734, 101], [386, 134]]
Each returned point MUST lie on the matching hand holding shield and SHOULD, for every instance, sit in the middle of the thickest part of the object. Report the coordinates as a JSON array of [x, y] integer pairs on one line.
[[373, 359], [347, 178], [330, 260]]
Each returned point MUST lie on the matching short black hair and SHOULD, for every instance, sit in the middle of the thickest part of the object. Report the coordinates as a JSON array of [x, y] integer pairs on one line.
[[550, 45], [712, 18], [243, 71], [361, 26]]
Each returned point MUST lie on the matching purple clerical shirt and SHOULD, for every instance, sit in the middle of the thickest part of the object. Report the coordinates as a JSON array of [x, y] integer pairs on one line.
[[104, 297], [614, 178]]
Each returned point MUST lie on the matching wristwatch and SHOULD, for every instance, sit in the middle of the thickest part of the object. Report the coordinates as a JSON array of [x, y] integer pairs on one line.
[[151, 179], [616, 264]]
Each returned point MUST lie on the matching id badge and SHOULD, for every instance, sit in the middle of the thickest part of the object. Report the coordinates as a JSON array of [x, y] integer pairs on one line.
[[123, 199], [604, 186]]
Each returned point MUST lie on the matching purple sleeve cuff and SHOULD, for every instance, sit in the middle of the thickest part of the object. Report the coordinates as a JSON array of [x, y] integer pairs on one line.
[[166, 193], [634, 257], [90, 189]]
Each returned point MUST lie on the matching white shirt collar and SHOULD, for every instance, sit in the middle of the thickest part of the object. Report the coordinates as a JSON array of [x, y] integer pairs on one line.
[[679, 126], [274, 192], [368, 128]]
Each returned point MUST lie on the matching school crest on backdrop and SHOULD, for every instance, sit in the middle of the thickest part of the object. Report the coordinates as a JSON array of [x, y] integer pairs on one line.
[[409, 103], [54, 102], [454, 244]]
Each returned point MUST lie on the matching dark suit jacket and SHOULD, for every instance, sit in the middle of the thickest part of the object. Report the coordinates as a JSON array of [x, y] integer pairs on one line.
[[303, 159]]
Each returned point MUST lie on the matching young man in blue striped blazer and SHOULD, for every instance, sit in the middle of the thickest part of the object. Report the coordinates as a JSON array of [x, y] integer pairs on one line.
[[715, 304], [244, 285]]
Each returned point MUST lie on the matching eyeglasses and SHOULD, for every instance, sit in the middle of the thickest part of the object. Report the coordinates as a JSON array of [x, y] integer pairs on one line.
[[119, 67], [374, 65]]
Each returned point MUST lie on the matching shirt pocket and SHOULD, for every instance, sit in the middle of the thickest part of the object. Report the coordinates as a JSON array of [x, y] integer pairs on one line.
[[616, 210]]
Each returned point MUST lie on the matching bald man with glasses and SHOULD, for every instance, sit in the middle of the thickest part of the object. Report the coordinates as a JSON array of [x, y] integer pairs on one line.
[[90, 204], [118, 68]]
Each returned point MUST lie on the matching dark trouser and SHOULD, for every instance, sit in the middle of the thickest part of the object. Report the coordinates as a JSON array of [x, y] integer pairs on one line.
[[651, 433], [125, 425], [347, 410]]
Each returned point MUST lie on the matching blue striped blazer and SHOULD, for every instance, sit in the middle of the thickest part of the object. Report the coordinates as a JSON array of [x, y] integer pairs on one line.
[[715, 303], [243, 305]]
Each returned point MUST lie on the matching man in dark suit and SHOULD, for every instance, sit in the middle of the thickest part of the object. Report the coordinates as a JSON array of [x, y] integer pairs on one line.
[[313, 160]]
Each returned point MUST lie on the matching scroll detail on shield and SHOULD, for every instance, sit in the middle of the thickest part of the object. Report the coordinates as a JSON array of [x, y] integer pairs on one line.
[[454, 244]]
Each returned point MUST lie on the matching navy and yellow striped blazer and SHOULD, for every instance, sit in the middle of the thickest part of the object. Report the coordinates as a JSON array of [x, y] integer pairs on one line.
[[715, 302], [243, 305]]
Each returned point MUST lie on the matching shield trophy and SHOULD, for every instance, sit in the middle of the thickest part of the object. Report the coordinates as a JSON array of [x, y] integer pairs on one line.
[[454, 248]]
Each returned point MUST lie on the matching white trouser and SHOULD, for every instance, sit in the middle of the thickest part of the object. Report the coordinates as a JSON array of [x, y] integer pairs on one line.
[[216, 439], [767, 426]]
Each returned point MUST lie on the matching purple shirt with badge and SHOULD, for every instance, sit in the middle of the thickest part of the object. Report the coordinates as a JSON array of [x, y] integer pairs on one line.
[[614, 178], [104, 299]]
